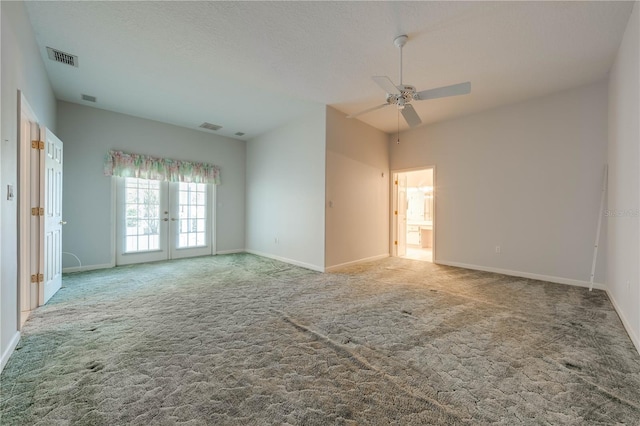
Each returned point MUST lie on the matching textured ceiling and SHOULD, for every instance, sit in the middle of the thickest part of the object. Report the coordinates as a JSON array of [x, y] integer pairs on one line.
[[252, 66]]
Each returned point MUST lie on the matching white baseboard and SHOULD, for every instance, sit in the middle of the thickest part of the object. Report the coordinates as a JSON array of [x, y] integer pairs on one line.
[[355, 262], [230, 251], [87, 268], [286, 260], [625, 322], [7, 353], [538, 277]]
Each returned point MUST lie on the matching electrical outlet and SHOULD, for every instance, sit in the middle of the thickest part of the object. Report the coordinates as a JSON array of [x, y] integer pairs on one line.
[[276, 240], [498, 249]]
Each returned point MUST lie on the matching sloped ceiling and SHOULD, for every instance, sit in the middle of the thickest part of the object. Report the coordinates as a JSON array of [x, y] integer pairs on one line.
[[253, 66]]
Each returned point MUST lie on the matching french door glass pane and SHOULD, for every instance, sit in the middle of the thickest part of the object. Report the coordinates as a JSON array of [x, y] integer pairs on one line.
[[192, 214], [142, 215]]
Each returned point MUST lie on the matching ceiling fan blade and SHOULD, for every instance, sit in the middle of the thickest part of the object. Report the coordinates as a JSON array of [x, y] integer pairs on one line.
[[443, 92], [411, 116], [386, 84], [366, 111]]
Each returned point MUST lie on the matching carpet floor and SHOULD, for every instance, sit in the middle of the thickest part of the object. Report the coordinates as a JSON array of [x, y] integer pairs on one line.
[[244, 340]]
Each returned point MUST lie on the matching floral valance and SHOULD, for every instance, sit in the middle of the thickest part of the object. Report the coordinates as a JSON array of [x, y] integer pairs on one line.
[[122, 164]]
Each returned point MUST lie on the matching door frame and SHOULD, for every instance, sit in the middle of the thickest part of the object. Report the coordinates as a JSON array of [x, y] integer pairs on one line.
[[393, 248], [27, 226]]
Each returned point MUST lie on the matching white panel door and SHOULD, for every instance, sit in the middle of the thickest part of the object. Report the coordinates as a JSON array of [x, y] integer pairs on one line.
[[51, 199]]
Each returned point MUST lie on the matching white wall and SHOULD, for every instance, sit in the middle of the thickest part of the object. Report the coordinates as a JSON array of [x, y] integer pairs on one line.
[[623, 274], [89, 133], [526, 177], [22, 69], [285, 192], [357, 191]]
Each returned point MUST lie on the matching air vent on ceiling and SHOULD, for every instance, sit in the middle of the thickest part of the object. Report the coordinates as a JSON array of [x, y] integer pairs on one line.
[[88, 98], [210, 126], [62, 57], [239, 134]]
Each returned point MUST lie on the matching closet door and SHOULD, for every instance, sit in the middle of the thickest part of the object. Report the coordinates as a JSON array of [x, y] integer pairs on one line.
[[51, 224]]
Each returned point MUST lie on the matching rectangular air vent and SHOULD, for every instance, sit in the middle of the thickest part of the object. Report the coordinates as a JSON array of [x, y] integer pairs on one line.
[[62, 57], [239, 134], [210, 126], [88, 98]]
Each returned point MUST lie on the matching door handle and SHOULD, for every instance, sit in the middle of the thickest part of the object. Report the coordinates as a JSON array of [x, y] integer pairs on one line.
[[63, 222], [173, 219], [165, 219]]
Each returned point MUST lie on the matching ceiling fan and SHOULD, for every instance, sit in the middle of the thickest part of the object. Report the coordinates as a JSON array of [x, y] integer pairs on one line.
[[402, 94]]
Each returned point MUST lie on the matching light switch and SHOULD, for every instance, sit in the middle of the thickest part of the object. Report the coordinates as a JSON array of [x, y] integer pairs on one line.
[[10, 192]]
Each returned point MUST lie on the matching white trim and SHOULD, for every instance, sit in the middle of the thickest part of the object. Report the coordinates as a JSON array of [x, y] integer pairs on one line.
[[7, 353], [625, 322], [230, 251], [213, 235], [87, 268], [393, 218], [26, 233], [286, 260], [529, 275], [356, 262], [603, 194], [112, 223]]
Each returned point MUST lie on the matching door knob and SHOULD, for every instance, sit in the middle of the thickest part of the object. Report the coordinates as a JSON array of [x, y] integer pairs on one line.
[[165, 219]]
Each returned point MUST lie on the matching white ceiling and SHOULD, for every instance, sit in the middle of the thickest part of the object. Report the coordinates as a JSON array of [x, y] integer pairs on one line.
[[253, 66]]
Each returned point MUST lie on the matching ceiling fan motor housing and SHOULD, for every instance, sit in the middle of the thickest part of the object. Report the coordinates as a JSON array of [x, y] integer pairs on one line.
[[407, 94]]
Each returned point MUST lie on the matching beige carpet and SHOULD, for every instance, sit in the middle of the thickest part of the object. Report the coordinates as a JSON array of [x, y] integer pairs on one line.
[[244, 340]]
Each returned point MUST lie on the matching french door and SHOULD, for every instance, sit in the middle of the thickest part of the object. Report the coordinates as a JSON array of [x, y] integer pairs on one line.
[[162, 220]]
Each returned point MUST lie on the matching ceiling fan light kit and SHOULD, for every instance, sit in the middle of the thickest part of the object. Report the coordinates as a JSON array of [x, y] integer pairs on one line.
[[402, 95]]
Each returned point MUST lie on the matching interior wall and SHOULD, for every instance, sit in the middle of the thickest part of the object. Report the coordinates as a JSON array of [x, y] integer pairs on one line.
[[525, 177], [623, 273], [22, 69], [357, 191], [286, 192], [89, 133]]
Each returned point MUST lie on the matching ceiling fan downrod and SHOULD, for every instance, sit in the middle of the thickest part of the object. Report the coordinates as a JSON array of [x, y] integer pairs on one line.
[[399, 42]]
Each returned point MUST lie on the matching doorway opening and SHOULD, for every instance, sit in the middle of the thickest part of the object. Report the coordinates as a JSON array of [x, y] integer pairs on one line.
[[414, 214]]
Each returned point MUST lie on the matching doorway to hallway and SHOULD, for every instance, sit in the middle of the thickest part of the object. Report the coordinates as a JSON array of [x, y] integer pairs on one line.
[[414, 214]]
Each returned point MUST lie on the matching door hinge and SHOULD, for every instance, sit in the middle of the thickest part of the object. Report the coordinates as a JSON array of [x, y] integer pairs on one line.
[[395, 243], [396, 212], [37, 278], [37, 211], [37, 144], [396, 182]]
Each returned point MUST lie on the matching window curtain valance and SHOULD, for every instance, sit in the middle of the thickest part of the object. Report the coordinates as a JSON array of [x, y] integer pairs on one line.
[[122, 164]]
